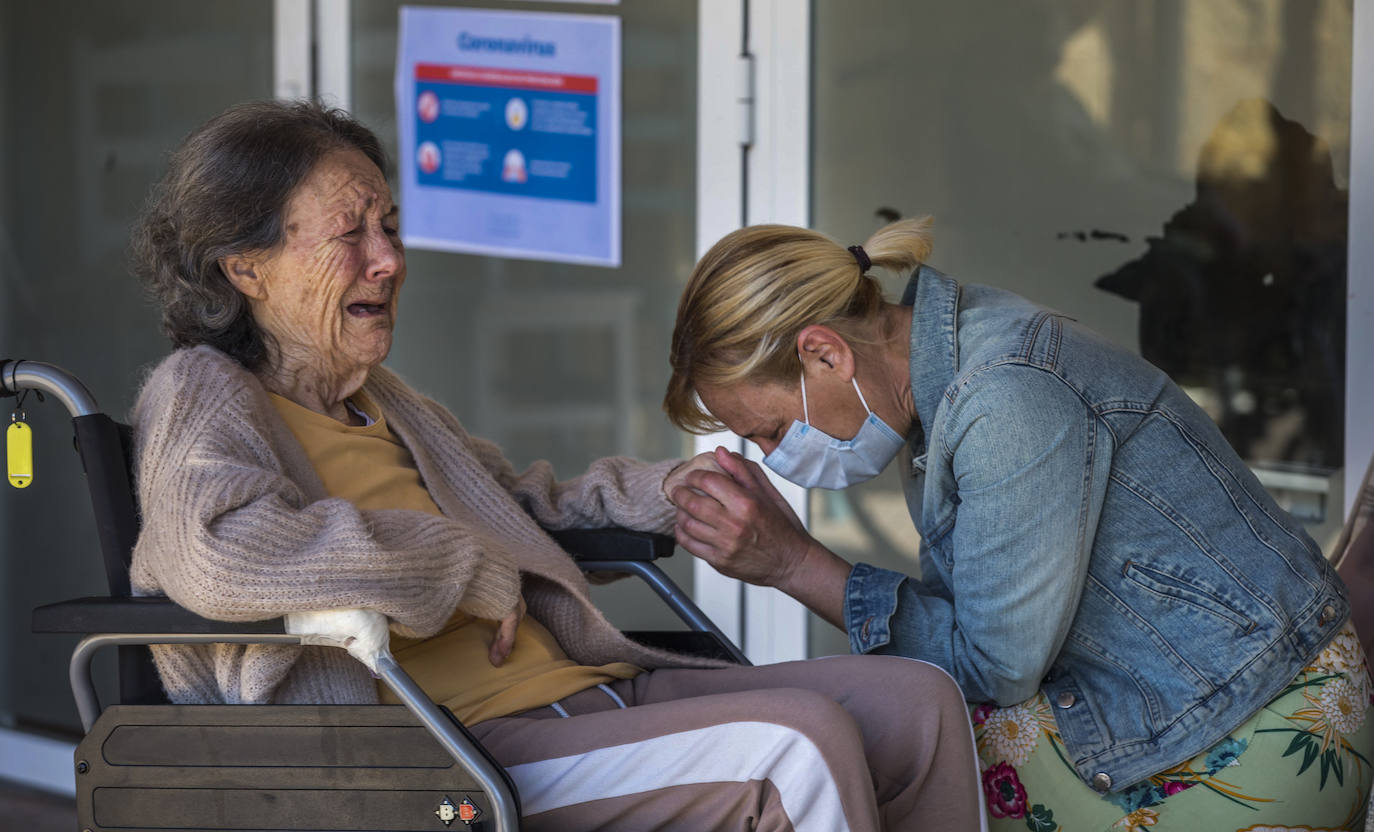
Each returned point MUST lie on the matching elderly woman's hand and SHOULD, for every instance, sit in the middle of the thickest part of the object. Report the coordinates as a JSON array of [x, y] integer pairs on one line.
[[504, 640], [678, 476]]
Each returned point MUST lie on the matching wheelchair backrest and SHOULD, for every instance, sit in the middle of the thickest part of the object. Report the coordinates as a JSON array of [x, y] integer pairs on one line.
[[106, 449], [107, 453]]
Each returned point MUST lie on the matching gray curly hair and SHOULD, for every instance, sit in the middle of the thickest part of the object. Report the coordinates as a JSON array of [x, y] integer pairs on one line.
[[225, 193]]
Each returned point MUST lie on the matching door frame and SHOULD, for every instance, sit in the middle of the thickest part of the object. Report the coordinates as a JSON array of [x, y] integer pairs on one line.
[[745, 147], [1359, 321], [753, 166]]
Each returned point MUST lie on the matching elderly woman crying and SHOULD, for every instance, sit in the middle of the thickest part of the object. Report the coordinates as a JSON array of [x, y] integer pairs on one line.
[[281, 469]]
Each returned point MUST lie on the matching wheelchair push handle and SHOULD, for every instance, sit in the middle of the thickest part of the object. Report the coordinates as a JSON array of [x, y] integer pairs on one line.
[[103, 457], [18, 375]]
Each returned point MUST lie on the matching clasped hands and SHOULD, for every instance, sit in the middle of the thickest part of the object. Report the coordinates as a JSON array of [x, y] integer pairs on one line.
[[731, 516]]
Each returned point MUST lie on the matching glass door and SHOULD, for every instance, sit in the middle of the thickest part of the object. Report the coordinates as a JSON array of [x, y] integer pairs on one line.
[[1173, 174], [553, 361]]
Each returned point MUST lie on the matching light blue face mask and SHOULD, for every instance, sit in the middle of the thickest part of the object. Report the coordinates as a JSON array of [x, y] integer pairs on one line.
[[812, 458]]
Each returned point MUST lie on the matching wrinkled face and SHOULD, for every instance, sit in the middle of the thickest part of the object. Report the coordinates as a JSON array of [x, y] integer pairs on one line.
[[328, 292]]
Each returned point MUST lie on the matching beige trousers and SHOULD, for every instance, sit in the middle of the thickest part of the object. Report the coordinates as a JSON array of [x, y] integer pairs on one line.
[[842, 743]]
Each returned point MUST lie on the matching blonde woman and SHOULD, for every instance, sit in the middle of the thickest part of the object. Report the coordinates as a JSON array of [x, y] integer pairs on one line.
[[1149, 640]]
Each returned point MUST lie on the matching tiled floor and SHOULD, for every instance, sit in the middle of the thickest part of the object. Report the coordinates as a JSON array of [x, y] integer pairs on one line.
[[26, 810]]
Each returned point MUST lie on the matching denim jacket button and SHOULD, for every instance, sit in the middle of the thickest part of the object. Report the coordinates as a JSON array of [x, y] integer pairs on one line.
[[1102, 782], [863, 631], [1328, 613], [1065, 699]]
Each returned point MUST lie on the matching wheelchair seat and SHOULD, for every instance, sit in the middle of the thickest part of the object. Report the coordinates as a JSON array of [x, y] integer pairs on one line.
[[146, 764]]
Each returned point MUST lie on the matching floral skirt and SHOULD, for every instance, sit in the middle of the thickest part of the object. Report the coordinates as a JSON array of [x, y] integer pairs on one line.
[[1302, 762]]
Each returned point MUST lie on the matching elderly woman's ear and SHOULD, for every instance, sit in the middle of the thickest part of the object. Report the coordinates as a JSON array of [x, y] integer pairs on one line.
[[242, 271]]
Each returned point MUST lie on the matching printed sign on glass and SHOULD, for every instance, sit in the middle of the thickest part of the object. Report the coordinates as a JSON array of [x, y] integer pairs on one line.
[[510, 133]]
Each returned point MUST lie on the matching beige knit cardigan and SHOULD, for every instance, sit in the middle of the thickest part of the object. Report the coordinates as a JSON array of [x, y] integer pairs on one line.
[[238, 527]]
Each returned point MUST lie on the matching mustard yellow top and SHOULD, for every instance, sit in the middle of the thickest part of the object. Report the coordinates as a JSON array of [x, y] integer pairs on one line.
[[371, 468]]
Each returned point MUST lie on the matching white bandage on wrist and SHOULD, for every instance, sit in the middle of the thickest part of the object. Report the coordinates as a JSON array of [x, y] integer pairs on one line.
[[363, 633]]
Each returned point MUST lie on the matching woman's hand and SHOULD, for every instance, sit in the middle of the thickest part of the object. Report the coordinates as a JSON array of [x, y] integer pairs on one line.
[[737, 521], [734, 519], [504, 640]]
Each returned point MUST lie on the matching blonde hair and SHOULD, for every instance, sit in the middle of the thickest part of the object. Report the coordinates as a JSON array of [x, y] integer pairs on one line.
[[757, 288]]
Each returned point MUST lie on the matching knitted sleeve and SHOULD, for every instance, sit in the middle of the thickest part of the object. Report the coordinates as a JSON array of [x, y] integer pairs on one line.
[[615, 491], [227, 534]]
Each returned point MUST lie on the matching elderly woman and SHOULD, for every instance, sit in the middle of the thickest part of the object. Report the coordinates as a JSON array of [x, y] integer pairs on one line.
[[1154, 638], [281, 469]]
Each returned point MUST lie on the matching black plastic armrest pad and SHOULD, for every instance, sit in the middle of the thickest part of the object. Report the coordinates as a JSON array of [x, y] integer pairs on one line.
[[613, 544], [690, 642], [102, 614]]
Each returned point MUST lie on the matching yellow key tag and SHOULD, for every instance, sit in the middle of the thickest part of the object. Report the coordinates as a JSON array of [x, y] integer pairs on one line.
[[19, 452]]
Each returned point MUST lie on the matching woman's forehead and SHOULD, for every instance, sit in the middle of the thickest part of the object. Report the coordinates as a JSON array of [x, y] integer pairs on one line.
[[342, 181]]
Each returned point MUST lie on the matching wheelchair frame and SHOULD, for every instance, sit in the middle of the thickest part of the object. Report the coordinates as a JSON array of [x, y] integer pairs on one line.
[[129, 623]]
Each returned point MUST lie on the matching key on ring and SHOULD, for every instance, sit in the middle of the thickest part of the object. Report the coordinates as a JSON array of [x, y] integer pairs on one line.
[[19, 450]]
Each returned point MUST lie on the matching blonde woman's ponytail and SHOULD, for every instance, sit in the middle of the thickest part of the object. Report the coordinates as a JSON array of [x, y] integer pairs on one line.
[[901, 246]]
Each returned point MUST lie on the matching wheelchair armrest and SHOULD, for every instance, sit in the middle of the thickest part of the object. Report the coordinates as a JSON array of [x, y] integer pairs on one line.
[[613, 544], [690, 642], [103, 614]]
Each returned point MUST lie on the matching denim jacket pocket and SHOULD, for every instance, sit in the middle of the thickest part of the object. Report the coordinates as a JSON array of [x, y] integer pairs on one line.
[[1177, 589]]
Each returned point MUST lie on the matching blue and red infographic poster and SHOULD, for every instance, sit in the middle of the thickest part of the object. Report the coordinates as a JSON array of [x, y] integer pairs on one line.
[[509, 127]]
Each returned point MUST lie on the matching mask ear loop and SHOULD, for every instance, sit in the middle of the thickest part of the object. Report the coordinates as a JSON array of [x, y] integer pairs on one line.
[[806, 412], [862, 400]]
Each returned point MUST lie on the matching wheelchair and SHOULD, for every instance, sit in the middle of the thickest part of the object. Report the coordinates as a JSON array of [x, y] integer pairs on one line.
[[145, 764]]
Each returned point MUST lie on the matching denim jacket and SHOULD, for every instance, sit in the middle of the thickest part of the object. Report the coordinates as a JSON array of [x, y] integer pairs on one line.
[[1086, 530]]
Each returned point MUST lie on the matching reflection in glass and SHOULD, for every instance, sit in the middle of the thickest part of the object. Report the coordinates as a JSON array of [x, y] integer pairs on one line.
[[1242, 298]]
